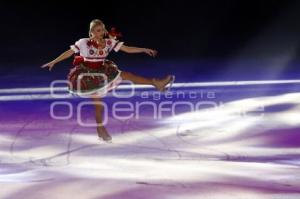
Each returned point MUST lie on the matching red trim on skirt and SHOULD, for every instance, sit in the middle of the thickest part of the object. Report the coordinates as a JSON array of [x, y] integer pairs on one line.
[[93, 65]]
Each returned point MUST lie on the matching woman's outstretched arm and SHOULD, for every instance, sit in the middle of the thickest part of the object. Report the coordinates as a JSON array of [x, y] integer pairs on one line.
[[129, 49], [60, 58]]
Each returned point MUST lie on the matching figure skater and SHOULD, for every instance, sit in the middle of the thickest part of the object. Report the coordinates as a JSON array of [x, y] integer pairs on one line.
[[92, 60]]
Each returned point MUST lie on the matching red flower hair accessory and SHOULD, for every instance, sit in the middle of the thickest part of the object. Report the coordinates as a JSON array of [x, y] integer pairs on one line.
[[115, 33]]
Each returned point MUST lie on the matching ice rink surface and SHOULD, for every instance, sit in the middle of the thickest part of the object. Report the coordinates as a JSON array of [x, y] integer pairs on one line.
[[246, 146]]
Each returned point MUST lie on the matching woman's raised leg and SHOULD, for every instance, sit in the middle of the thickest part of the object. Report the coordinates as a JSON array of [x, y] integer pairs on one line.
[[160, 84]]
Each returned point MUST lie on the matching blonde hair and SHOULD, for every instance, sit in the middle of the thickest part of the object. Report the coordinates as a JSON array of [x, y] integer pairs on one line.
[[94, 23]]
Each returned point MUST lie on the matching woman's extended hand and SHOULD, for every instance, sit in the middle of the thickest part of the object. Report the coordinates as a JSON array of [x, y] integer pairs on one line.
[[50, 65], [150, 52]]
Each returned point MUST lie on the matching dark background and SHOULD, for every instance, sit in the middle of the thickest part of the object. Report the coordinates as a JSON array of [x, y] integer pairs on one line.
[[197, 40]]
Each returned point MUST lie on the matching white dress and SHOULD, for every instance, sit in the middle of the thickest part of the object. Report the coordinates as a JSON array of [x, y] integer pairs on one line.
[[92, 72]]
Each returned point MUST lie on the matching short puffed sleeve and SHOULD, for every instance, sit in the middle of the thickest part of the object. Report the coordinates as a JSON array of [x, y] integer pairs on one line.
[[78, 45], [114, 44]]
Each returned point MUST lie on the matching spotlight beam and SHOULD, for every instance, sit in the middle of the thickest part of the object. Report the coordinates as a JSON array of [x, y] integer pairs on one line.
[[175, 85]]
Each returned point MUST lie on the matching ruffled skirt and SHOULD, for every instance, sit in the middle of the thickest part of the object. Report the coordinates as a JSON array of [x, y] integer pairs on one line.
[[86, 79]]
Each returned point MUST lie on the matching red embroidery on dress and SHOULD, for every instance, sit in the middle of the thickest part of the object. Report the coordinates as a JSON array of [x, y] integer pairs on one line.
[[95, 57], [91, 52], [92, 43]]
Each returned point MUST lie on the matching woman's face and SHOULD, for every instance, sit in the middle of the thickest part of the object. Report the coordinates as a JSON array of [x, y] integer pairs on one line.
[[99, 31]]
